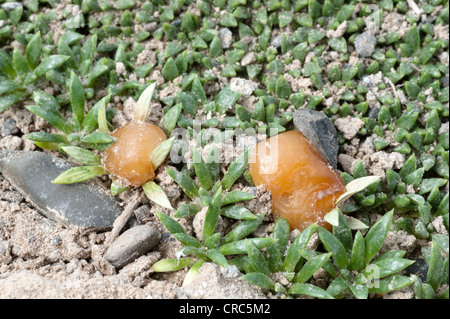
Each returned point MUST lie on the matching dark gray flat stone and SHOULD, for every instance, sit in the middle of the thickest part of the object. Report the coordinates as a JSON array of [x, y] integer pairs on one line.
[[86, 205], [320, 131], [419, 268], [132, 244]]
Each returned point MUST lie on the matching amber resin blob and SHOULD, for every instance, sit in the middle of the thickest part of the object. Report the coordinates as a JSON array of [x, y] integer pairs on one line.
[[129, 158], [303, 187]]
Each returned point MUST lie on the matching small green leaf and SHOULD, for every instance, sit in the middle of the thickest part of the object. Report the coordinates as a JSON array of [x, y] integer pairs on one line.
[[235, 170], [213, 241], [33, 50], [171, 225], [343, 231], [169, 70], [392, 178], [376, 235], [409, 166], [156, 194], [188, 240], [201, 170], [236, 196], [6, 65], [54, 118], [76, 93], [357, 185], [390, 284], [260, 280], [293, 254], [173, 48], [257, 259], [20, 64], [309, 290], [283, 89], [391, 266], [334, 246], [48, 138], [359, 291], [188, 103], [338, 44], [281, 232], [311, 266], [186, 210], [46, 100], [197, 90], [337, 286], [212, 214], [92, 118], [160, 152], [97, 71], [79, 174], [239, 247], [116, 188], [174, 264], [356, 224], [435, 275], [225, 99], [332, 217], [358, 254], [98, 138], [102, 121], [170, 119], [412, 38], [237, 212], [243, 229], [274, 258], [82, 155], [49, 63], [215, 47], [428, 184], [407, 120], [186, 183], [88, 49], [143, 105], [216, 256]]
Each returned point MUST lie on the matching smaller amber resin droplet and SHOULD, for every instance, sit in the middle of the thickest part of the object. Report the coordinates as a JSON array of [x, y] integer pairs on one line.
[[303, 187], [129, 158]]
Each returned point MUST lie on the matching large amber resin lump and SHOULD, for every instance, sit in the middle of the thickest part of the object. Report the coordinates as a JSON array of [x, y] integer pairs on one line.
[[129, 158], [303, 187]]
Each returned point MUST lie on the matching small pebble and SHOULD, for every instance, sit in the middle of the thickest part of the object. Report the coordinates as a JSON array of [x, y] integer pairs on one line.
[[10, 6], [365, 44], [5, 252], [444, 81], [419, 268], [373, 112], [276, 41], [248, 59], [226, 37], [11, 196], [320, 131], [132, 244], [9, 127]]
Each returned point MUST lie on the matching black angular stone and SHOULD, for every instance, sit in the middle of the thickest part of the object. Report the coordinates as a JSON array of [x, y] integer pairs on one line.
[[86, 205], [320, 131]]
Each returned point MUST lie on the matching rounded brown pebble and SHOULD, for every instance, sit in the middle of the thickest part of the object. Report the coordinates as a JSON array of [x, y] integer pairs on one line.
[[132, 244]]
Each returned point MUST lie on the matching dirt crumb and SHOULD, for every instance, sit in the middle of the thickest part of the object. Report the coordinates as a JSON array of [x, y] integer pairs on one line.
[[349, 126]]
